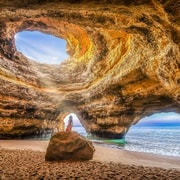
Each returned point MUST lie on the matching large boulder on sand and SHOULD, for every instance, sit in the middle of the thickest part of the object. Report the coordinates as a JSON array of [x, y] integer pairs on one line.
[[69, 146]]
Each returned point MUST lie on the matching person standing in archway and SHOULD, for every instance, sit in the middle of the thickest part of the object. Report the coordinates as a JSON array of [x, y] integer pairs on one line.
[[70, 124]]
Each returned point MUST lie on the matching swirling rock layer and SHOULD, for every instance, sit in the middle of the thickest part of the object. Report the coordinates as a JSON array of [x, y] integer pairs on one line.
[[124, 64]]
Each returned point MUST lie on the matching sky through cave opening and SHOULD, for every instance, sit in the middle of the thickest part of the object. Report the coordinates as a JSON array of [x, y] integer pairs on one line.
[[41, 47], [160, 119], [77, 126], [158, 134]]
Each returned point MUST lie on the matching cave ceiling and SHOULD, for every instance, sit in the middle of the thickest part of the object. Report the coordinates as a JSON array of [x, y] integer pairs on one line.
[[124, 64]]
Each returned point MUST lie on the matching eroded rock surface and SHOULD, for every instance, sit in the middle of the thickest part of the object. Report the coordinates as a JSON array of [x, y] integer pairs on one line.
[[124, 64], [69, 146]]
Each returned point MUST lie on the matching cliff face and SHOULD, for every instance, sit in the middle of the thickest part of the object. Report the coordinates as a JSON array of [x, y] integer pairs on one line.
[[124, 64]]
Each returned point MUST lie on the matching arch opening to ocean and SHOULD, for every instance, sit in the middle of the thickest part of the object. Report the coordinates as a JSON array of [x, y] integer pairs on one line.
[[77, 126], [41, 47], [157, 134]]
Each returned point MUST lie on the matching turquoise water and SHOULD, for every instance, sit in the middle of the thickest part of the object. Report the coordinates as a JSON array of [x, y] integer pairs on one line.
[[158, 140]]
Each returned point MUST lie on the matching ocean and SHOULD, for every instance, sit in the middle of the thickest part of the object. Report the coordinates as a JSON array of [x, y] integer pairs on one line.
[[162, 140]]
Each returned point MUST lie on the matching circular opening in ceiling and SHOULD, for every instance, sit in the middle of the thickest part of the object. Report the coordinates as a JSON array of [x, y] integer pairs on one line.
[[41, 47]]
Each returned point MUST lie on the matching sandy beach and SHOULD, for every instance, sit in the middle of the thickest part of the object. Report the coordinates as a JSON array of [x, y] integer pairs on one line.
[[24, 159]]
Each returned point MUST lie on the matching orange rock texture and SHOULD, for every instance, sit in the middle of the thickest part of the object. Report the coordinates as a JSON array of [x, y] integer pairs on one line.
[[124, 64]]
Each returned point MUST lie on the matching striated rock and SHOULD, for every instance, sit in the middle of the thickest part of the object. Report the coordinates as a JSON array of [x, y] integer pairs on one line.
[[124, 65], [69, 146]]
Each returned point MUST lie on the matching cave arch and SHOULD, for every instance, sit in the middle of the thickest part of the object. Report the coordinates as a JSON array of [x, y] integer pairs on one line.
[[77, 125], [62, 121], [156, 133]]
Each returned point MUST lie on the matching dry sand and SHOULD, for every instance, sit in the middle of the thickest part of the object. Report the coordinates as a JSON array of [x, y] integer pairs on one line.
[[24, 159]]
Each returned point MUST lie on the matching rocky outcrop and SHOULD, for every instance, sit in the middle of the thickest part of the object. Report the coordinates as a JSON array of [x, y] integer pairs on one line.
[[69, 146], [124, 64]]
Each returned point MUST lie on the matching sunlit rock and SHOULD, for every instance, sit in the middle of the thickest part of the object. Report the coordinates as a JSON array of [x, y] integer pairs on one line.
[[124, 64]]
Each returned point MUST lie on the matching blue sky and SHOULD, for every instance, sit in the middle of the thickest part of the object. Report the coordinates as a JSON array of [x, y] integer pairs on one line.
[[161, 119], [41, 47]]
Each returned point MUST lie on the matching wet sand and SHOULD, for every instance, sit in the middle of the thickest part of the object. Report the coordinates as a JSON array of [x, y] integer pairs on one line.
[[24, 159]]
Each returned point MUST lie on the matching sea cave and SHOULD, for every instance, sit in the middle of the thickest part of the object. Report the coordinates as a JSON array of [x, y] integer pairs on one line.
[[123, 64]]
